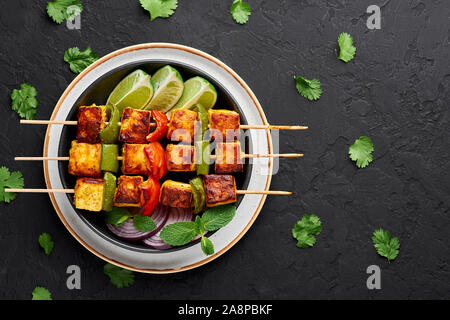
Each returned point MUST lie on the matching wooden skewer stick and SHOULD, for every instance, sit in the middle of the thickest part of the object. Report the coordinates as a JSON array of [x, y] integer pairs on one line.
[[269, 192], [120, 158], [242, 126]]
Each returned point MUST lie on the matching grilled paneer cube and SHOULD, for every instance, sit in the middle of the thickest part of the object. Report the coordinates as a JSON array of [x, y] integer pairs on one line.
[[224, 125], [228, 157], [176, 194], [89, 194], [134, 159], [135, 126], [181, 125], [219, 189], [85, 159], [180, 157], [128, 192], [91, 120]]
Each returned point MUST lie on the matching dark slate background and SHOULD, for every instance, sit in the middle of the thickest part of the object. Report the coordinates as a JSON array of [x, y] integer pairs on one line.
[[395, 91]]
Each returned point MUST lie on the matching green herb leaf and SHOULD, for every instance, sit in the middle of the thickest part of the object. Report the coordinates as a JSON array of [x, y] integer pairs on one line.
[[310, 89], [199, 227], [117, 216], [347, 50], [80, 60], [24, 101], [305, 230], [207, 246], [179, 233], [361, 152], [41, 293], [143, 223], [45, 241], [118, 276], [240, 11], [159, 8], [385, 245], [60, 10], [218, 217], [9, 181]]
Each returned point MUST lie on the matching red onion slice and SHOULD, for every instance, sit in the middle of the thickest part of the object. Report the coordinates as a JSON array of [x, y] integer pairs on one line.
[[127, 231], [174, 215]]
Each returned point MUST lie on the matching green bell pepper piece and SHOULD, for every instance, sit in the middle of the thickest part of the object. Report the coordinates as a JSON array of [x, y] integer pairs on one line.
[[202, 155], [109, 163], [108, 191], [110, 133], [203, 115], [198, 194]]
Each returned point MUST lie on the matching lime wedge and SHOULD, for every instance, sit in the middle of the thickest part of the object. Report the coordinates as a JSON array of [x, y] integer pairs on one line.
[[197, 91], [134, 91], [169, 87]]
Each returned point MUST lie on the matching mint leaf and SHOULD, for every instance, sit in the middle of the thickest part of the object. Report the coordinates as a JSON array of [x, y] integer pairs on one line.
[[80, 60], [305, 230], [207, 246], [117, 216], [24, 101], [240, 11], [118, 276], [159, 8], [60, 10], [385, 245], [347, 50], [179, 233], [310, 89], [361, 151], [9, 181], [41, 293], [218, 217], [45, 241], [143, 223], [199, 227]]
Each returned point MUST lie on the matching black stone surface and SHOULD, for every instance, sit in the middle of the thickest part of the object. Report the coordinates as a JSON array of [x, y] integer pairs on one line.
[[396, 91]]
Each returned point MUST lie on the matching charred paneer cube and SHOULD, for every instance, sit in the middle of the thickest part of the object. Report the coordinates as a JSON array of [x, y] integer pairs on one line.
[[176, 194], [89, 194], [219, 189], [181, 126], [85, 159], [224, 125], [228, 157], [91, 120], [134, 159], [128, 192], [180, 157], [135, 126]]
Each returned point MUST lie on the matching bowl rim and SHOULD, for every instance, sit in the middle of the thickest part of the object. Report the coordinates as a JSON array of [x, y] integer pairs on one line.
[[159, 45]]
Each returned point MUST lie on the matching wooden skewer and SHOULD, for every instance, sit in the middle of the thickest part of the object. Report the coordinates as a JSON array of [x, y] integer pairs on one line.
[[269, 192], [242, 126], [120, 158]]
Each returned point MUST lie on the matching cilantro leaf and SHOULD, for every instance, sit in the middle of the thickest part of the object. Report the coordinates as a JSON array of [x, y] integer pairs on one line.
[[143, 223], [179, 233], [24, 101], [346, 48], [80, 60], [41, 293], [361, 152], [305, 230], [310, 89], [118, 276], [45, 241], [9, 180], [240, 11], [218, 217], [60, 10], [385, 245], [207, 246], [117, 216], [159, 8]]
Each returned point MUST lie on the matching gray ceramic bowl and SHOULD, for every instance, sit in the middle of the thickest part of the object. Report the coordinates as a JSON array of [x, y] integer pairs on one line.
[[93, 85]]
